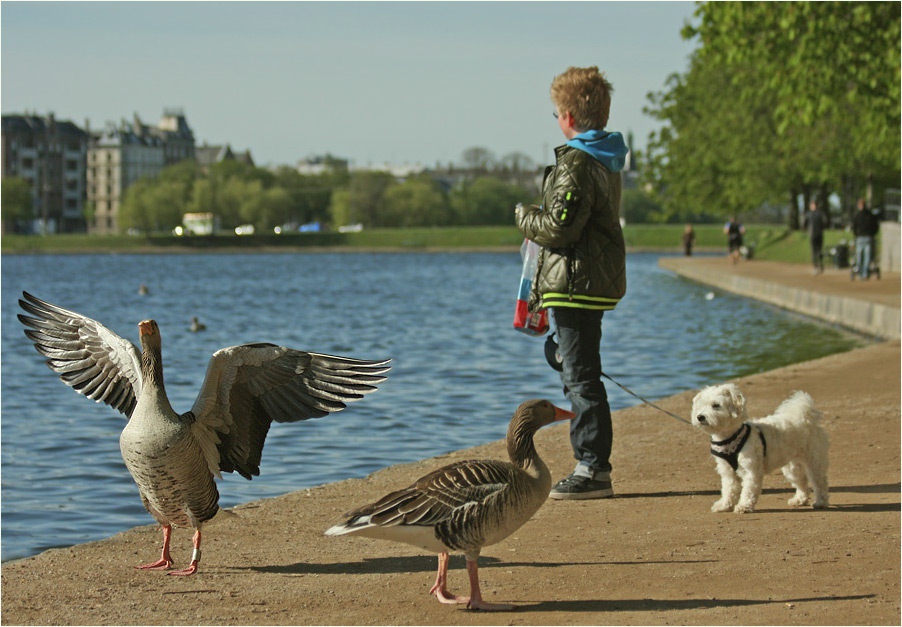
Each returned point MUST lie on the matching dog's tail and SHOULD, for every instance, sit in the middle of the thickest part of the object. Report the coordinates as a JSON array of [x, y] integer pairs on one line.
[[802, 405]]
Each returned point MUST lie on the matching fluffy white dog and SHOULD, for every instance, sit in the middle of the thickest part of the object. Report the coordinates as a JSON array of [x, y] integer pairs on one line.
[[745, 450]]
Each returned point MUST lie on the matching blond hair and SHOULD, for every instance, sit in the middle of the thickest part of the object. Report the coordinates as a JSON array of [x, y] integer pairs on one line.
[[585, 93]]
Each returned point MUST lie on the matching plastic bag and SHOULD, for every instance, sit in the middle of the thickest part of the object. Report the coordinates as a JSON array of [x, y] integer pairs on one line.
[[535, 323]]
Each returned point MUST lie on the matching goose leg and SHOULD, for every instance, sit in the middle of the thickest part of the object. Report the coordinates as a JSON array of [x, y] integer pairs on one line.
[[165, 561], [195, 558], [476, 602], [440, 589]]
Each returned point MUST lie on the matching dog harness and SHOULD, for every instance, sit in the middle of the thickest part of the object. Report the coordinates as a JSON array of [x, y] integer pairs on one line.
[[729, 449]]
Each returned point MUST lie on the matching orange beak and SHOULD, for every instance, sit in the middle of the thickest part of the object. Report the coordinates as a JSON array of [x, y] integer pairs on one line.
[[146, 327], [563, 414]]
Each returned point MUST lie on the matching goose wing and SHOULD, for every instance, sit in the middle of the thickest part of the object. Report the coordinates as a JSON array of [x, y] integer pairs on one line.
[[89, 358], [247, 387], [436, 497]]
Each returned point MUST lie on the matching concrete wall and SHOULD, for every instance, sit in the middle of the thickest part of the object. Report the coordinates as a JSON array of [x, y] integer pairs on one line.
[[871, 318], [889, 247]]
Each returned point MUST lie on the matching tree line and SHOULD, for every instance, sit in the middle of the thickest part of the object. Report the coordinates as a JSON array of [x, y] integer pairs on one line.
[[783, 104], [236, 193]]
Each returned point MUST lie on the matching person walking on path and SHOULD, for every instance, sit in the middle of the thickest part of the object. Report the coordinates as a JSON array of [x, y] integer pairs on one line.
[[865, 226], [581, 269], [734, 231], [688, 240], [816, 223]]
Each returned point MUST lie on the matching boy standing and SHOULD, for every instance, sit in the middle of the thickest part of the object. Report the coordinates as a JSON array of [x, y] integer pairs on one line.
[[582, 264]]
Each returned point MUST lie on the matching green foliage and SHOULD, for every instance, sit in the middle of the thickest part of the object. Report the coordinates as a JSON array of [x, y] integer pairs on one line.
[[135, 211], [487, 201], [416, 202], [151, 205], [780, 99], [309, 196], [361, 200], [636, 206], [16, 199]]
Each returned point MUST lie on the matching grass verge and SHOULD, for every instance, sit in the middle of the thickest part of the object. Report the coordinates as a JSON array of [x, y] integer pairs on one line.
[[773, 242]]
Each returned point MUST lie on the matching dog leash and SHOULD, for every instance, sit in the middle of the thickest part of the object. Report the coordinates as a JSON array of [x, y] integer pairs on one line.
[[553, 356], [646, 401]]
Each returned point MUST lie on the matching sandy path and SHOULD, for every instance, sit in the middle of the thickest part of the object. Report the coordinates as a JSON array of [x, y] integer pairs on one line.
[[652, 555]]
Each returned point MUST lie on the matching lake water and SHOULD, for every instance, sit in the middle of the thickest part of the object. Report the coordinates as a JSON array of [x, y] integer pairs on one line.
[[459, 369]]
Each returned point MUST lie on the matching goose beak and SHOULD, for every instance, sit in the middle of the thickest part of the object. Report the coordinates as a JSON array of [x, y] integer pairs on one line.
[[146, 327], [563, 414]]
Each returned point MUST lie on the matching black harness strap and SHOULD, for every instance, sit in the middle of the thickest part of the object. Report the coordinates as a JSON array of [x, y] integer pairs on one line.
[[729, 449]]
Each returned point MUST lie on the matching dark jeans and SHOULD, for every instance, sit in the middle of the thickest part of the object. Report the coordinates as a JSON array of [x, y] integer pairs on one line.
[[817, 251], [579, 341]]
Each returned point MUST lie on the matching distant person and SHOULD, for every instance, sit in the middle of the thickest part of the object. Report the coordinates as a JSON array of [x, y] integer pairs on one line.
[[865, 226], [816, 224], [734, 231], [688, 240], [582, 265]]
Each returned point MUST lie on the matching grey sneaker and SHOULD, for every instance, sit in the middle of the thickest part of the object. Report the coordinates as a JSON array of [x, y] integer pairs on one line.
[[579, 487]]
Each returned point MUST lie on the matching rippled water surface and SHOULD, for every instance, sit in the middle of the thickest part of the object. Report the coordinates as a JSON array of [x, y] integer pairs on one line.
[[459, 368]]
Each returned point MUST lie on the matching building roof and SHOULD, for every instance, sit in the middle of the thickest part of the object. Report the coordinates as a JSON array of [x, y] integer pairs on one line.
[[40, 125], [208, 155]]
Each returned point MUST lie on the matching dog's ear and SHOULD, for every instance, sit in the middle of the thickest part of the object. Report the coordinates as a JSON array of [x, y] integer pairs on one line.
[[738, 402]]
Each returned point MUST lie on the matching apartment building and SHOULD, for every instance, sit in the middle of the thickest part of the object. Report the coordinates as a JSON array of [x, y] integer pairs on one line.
[[117, 158], [120, 155], [50, 155]]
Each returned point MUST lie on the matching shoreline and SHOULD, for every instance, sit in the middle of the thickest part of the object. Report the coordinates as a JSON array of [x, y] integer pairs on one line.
[[652, 555], [868, 307], [224, 250]]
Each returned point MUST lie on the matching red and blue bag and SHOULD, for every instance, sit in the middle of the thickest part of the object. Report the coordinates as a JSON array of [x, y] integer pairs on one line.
[[529, 323]]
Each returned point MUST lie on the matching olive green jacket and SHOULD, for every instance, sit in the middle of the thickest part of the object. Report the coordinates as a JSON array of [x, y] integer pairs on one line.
[[582, 262]]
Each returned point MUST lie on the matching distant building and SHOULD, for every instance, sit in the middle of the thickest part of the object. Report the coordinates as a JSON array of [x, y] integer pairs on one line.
[[50, 155], [401, 172], [120, 155], [117, 158], [321, 164], [208, 155]]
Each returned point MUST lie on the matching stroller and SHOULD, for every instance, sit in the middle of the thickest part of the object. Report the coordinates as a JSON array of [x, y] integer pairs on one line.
[[873, 266]]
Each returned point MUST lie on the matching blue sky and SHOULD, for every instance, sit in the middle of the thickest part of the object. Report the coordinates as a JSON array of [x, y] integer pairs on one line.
[[403, 82]]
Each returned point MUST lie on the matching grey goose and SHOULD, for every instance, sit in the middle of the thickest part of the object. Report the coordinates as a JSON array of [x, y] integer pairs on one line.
[[467, 505], [174, 457]]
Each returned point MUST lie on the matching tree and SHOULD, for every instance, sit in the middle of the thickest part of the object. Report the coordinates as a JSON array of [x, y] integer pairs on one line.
[[17, 201], [417, 202], [781, 100], [478, 159], [236, 201], [151, 205], [265, 209], [637, 207], [135, 211], [487, 201], [368, 191]]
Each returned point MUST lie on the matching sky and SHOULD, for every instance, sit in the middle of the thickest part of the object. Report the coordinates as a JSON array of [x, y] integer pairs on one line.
[[371, 82]]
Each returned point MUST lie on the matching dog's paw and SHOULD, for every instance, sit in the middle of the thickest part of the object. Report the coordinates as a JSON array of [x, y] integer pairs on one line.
[[722, 506], [798, 500], [744, 508], [820, 504]]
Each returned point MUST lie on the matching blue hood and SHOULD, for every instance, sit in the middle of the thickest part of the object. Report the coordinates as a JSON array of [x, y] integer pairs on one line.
[[609, 148]]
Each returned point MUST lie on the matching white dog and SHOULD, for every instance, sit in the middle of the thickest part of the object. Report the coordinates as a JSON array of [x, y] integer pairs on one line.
[[745, 450]]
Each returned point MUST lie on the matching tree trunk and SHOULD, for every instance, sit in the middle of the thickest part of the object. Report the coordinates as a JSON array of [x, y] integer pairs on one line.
[[793, 217]]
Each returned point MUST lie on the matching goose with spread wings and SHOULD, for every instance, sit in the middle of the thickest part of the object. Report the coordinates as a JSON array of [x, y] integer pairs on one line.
[[173, 457]]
